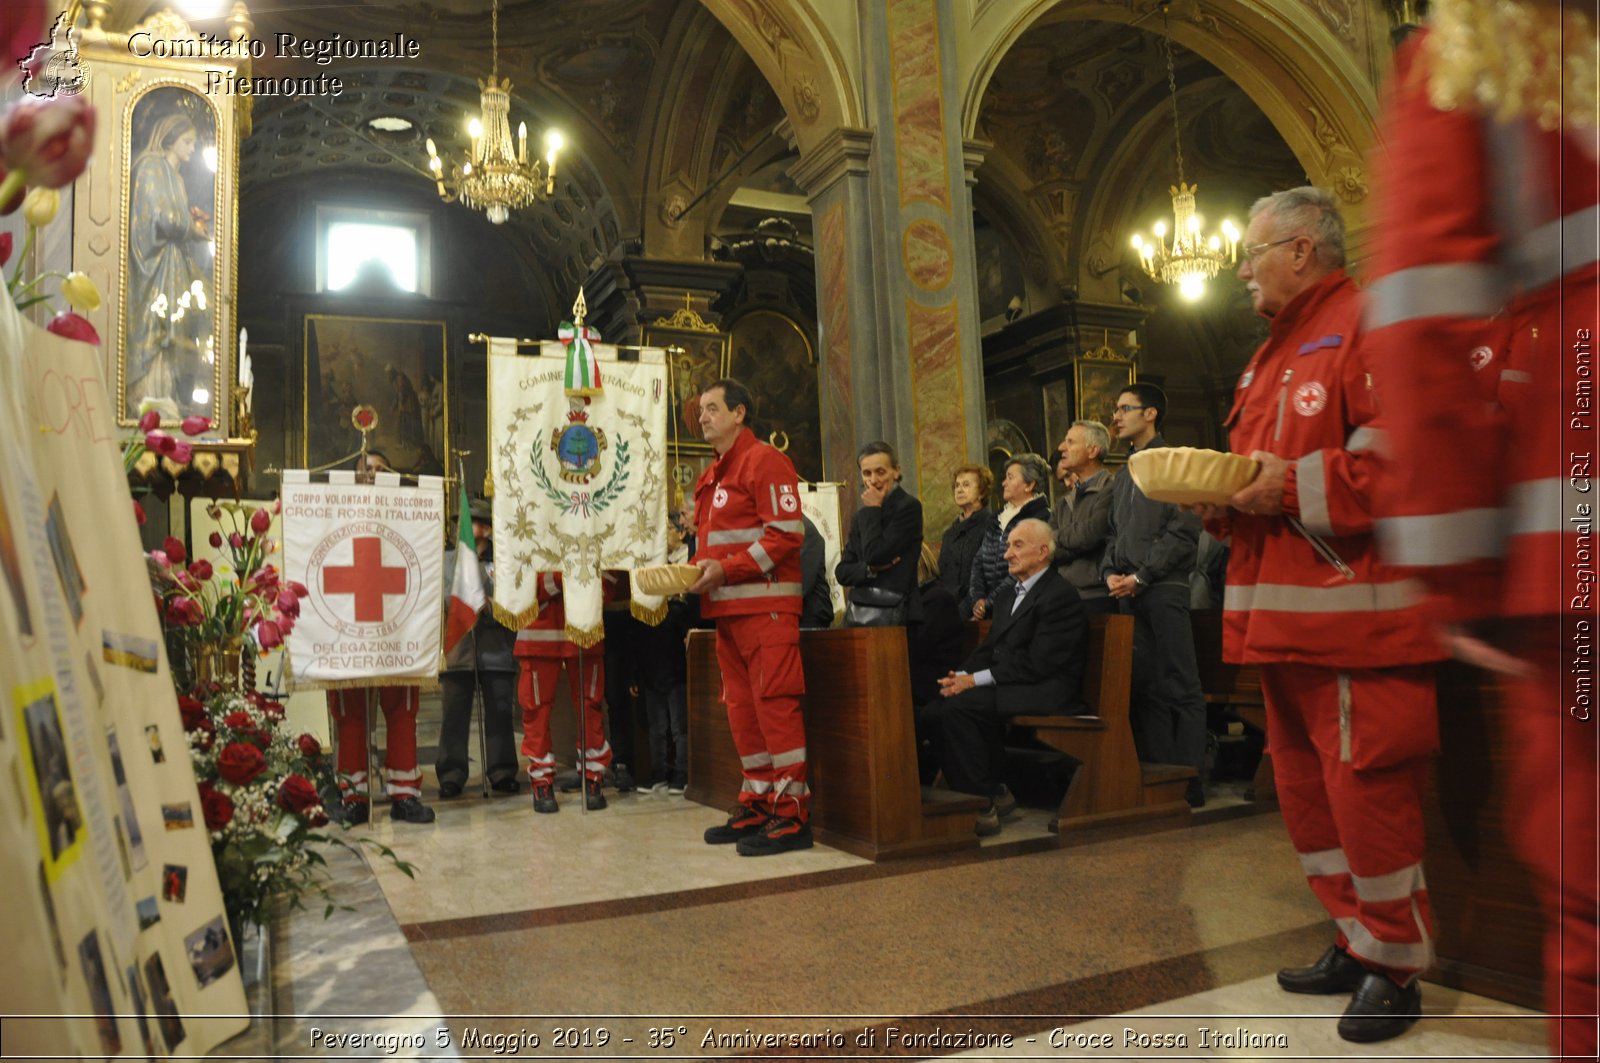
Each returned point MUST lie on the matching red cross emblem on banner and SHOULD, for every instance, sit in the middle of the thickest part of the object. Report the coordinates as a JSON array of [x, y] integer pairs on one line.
[[366, 577]]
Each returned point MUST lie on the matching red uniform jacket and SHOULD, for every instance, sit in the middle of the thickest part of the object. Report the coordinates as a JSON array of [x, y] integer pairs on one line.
[[546, 634], [1306, 396], [1489, 503], [747, 505]]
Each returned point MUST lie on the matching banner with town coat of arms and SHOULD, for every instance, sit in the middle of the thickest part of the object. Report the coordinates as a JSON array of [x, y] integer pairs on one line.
[[372, 556], [580, 482]]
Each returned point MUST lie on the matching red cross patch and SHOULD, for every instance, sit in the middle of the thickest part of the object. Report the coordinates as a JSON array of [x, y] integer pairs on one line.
[[1310, 399], [1480, 357], [720, 498]]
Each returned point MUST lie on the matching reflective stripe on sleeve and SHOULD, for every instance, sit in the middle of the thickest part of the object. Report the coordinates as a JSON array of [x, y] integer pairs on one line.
[[787, 526], [755, 590], [763, 559], [1442, 538], [1462, 289], [1345, 598], [1542, 506], [1557, 248], [1366, 438], [740, 535], [1311, 482]]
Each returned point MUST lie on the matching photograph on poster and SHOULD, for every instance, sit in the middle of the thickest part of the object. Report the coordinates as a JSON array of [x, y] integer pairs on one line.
[[136, 991], [94, 974], [210, 953], [50, 918], [174, 883], [395, 366], [130, 818], [66, 559], [177, 816], [152, 735], [155, 973], [11, 566], [172, 347], [149, 912], [122, 847], [128, 651], [59, 818]]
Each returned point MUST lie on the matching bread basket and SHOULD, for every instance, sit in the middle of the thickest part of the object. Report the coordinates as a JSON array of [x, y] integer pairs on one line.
[[664, 580], [1187, 475]]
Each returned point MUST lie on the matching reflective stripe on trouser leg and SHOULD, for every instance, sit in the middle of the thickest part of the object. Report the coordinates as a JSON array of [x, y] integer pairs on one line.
[[1357, 824], [402, 777], [759, 658]]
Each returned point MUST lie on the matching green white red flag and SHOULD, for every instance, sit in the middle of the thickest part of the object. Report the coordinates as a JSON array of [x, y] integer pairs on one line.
[[466, 587]]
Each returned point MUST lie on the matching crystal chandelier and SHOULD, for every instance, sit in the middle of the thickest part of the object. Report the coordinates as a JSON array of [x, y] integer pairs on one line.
[[1192, 258], [494, 178]]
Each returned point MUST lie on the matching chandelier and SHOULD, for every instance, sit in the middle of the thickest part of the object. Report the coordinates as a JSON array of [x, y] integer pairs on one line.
[[1192, 258], [494, 178]]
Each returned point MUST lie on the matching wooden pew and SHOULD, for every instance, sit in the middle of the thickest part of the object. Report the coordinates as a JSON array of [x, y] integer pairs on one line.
[[1233, 686], [1110, 788], [860, 741]]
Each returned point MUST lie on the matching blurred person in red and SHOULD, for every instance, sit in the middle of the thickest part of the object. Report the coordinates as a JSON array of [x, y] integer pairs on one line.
[[1486, 257]]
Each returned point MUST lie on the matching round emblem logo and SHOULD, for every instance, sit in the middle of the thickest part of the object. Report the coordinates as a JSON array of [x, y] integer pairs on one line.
[[720, 498], [789, 503], [369, 579], [1480, 357], [1310, 399]]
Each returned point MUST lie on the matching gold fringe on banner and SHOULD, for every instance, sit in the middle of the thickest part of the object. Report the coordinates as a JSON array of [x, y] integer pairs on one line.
[[427, 686], [515, 621], [644, 613], [585, 639]]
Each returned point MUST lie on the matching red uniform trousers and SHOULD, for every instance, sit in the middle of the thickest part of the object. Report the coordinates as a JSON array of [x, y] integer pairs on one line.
[[1551, 821], [536, 690], [762, 684], [402, 777], [1350, 754]]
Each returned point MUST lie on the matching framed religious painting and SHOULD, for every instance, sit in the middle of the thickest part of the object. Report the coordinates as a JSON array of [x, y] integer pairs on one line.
[[1097, 379], [155, 222], [395, 367], [700, 361], [773, 357]]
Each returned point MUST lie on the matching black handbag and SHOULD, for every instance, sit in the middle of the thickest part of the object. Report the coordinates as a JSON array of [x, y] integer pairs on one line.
[[874, 607]]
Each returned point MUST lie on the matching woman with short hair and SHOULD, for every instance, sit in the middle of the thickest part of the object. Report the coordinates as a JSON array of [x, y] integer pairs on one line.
[[1025, 491], [971, 485]]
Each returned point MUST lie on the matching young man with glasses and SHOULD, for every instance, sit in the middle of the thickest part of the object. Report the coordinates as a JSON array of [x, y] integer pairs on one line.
[[1150, 552], [1344, 653]]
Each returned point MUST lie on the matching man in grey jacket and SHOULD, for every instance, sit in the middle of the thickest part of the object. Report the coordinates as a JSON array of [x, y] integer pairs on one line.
[[1082, 515], [1150, 551]]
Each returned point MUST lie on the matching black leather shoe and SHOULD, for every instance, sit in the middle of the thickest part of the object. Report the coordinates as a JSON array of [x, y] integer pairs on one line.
[[593, 799], [742, 823], [512, 785], [410, 810], [1380, 1010], [544, 798], [449, 790], [355, 812], [1336, 972]]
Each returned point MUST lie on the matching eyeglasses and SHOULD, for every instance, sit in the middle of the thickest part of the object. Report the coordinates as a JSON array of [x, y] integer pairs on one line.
[[1130, 409], [1257, 250]]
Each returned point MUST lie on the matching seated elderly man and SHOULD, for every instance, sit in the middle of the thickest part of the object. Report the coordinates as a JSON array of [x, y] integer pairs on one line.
[[1031, 663]]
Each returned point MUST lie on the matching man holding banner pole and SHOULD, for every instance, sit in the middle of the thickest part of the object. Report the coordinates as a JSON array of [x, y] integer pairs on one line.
[[750, 535]]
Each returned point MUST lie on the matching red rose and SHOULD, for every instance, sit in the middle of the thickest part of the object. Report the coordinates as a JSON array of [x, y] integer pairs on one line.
[[216, 806], [194, 424], [272, 710], [310, 747], [296, 794], [175, 550], [260, 521], [239, 720], [240, 763], [70, 325], [192, 712], [48, 137]]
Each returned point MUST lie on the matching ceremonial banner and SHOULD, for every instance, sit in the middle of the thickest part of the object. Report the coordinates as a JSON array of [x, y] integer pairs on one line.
[[372, 556], [102, 796], [820, 502], [580, 482]]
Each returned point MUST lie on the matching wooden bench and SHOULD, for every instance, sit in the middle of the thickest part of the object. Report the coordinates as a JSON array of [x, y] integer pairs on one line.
[[860, 741], [1110, 788], [1236, 687]]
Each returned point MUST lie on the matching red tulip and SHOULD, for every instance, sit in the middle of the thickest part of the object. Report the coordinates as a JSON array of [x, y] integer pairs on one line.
[[194, 424], [288, 603], [268, 635], [138, 513], [68, 324], [215, 539], [200, 570], [159, 441], [300, 590], [48, 137], [186, 581], [149, 421], [181, 452], [285, 625], [236, 540], [277, 505], [160, 557], [260, 521], [175, 551], [5, 247]]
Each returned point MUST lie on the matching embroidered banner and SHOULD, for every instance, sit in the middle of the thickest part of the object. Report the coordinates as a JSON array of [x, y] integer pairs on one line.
[[372, 556], [820, 502], [580, 483]]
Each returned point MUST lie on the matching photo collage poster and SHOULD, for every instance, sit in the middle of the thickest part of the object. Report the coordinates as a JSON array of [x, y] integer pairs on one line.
[[98, 804]]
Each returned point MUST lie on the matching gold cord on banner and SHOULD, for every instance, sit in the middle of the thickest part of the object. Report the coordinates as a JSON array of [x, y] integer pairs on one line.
[[584, 639], [515, 621]]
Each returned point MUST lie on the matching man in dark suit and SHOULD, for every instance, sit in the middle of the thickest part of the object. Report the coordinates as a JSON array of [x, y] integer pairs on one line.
[[1031, 663]]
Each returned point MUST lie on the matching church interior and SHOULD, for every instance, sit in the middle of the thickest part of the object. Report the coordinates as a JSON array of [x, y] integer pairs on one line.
[[905, 220]]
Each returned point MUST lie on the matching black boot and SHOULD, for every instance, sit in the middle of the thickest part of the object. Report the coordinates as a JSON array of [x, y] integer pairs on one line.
[[1381, 1009], [1336, 972]]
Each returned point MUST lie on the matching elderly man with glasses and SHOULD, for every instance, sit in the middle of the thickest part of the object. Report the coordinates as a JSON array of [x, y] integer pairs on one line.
[[1344, 652]]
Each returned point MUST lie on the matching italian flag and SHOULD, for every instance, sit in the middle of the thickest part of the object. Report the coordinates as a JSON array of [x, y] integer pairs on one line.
[[466, 588]]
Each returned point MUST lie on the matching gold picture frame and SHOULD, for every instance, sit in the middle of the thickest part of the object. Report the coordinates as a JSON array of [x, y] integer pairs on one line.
[[773, 357], [397, 366], [155, 222], [702, 359]]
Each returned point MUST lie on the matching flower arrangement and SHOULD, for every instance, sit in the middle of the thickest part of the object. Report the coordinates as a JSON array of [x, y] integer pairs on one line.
[[260, 795]]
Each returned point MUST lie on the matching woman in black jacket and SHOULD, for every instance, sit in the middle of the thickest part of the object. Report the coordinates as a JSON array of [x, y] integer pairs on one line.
[[878, 566], [1025, 493], [971, 486]]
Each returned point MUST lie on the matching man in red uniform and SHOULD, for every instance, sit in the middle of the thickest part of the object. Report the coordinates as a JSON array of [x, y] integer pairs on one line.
[[1340, 639], [748, 505], [542, 650], [402, 777], [1487, 256]]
